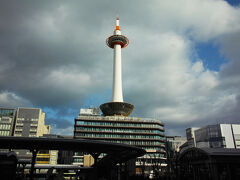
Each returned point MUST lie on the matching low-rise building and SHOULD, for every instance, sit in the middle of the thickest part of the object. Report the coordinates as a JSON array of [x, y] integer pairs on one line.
[[190, 134], [175, 142], [215, 136]]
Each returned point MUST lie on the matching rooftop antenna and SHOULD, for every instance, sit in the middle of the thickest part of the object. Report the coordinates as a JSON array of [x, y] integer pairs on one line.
[[117, 14]]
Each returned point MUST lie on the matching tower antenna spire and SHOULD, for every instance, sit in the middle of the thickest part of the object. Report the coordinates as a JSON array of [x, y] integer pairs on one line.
[[117, 23], [117, 14]]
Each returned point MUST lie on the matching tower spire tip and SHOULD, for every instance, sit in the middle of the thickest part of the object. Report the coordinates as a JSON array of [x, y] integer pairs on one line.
[[117, 23]]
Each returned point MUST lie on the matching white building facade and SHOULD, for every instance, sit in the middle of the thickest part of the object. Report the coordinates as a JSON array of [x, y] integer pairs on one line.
[[215, 136]]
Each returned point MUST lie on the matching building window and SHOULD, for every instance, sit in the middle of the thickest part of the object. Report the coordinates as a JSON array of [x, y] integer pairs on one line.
[[5, 126], [4, 133]]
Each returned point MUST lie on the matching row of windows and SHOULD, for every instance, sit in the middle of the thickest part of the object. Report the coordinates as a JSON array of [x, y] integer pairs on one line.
[[42, 159], [96, 123], [33, 125], [6, 112], [6, 119], [149, 143], [5, 126], [237, 142], [81, 154], [78, 160], [17, 132], [4, 133], [154, 161], [153, 155], [119, 136], [20, 128], [118, 130], [152, 158], [237, 136], [154, 148], [33, 130], [20, 125], [118, 118], [27, 121]]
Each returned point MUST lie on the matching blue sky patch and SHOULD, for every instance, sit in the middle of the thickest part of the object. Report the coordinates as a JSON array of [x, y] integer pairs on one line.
[[210, 55], [234, 2], [98, 98]]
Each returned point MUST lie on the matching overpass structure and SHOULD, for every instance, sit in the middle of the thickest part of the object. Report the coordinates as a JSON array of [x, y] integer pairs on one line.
[[114, 153]]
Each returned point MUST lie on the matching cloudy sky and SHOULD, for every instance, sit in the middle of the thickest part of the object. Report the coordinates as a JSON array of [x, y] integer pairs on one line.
[[182, 65]]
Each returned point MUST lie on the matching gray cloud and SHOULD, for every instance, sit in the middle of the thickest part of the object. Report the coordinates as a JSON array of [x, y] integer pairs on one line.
[[53, 54]]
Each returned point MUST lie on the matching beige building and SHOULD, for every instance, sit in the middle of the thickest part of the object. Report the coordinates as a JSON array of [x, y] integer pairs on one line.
[[88, 160], [30, 122], [47, 157]]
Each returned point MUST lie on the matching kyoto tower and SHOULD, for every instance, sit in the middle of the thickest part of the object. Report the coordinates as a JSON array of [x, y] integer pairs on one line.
[[117, 106]]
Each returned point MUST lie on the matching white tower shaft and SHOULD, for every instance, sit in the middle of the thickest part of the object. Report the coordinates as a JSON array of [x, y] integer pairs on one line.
[[117, 95], [117, 75]]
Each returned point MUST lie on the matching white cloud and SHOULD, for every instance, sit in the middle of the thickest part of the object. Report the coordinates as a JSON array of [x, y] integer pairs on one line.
[[201, 19], [62, 131], [198, 67], [9, 99], [69, 80]]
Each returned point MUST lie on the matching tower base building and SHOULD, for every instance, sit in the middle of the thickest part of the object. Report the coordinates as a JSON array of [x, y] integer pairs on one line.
[[146, 133]]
